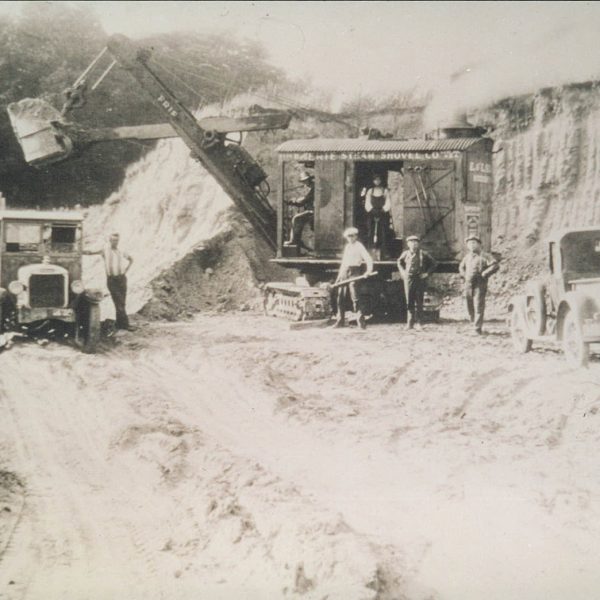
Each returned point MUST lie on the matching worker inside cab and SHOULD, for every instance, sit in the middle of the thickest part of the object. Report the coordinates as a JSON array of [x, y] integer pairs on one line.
[[305, 202]]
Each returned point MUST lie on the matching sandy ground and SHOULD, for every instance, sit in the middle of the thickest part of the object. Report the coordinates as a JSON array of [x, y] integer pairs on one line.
[[230, 457]]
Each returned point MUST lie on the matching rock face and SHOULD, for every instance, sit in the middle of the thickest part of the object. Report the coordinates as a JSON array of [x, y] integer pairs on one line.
[[546, 175], [547, 168]]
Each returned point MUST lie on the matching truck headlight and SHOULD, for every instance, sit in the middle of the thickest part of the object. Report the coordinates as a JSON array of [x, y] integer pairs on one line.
[[77, 286], [15, 287]]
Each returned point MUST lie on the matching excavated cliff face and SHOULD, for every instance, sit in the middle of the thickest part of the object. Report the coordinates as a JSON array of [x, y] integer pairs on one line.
[[546, 175], [547, 166]]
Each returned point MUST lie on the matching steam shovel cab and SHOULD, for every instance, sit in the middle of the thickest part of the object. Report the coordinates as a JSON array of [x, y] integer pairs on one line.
[[40, 276], [440, 190]]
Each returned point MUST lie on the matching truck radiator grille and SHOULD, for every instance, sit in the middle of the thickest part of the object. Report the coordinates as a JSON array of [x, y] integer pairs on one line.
[[46, 291]]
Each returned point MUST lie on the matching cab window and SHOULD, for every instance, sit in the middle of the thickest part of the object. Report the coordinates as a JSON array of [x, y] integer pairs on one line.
[[22, 237]]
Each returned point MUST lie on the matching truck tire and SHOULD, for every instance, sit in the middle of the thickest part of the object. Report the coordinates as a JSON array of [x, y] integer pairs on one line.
[[536, 308], [519, 332], [577, 352], [87, 327]]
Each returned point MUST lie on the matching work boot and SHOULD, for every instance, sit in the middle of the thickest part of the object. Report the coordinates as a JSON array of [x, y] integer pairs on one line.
[[361, 321]]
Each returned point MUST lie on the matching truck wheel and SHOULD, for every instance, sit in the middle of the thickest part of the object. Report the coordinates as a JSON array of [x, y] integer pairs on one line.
[[576, 351], [87, 327], [518, 332], [536, 308]]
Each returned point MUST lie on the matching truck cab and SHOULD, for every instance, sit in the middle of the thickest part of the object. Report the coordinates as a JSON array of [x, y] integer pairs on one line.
[[564, 305], [40, 275]]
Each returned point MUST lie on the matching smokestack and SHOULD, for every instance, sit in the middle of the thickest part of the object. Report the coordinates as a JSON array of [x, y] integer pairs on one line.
[[458, 127]]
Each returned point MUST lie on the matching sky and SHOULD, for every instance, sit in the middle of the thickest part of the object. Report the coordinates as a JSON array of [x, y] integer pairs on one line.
[[376, 48]]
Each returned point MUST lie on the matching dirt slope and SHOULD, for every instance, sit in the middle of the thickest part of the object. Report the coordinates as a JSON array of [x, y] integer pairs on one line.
[[231, 458], [546, 171]]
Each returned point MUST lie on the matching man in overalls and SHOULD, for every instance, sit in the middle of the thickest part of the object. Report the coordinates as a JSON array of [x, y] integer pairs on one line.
[[377, 207], [415, 265]]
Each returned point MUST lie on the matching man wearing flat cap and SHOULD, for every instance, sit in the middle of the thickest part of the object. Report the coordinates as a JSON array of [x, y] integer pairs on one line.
[[306, 216], [476, 268], [415, 265], [354, 261]]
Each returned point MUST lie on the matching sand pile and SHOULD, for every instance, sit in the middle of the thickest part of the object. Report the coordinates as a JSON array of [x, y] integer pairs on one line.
[[192, 249]]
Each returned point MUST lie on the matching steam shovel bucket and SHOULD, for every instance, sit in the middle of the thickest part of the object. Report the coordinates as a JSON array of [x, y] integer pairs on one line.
[[32, 121]]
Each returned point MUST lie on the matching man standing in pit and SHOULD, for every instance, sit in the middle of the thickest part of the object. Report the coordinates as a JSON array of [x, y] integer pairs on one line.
[[476, 268], [354, 258], [415, 265], [116, 263], [307, 203]]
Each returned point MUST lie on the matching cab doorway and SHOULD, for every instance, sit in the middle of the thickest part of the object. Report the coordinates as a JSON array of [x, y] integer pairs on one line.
[[378, 209]]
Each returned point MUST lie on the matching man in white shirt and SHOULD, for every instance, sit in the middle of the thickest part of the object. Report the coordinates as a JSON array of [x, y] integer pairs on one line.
[[353, 260], [116, 263]]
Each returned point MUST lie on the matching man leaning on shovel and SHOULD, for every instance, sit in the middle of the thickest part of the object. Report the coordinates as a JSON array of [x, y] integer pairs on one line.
[[354, 257]]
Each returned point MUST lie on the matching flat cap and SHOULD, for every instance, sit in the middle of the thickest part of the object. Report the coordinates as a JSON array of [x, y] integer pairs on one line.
[[305, 176], [350, 231], [413, 238]]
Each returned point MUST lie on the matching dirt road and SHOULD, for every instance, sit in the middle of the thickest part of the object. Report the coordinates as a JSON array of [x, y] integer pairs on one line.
[[231, 458]]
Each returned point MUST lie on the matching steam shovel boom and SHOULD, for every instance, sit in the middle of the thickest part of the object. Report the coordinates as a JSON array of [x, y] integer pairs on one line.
[[46, 137], [233, 168]]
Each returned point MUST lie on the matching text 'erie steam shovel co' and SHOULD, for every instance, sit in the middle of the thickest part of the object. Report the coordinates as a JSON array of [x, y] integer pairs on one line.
[[439, 188]]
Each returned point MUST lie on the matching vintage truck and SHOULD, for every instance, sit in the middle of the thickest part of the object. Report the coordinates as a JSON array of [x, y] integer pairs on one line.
[[40, 276], [565, 305]]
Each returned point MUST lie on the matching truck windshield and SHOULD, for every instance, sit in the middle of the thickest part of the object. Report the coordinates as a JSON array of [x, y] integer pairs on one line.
[[22, 237], [63, 238], [581, 254]]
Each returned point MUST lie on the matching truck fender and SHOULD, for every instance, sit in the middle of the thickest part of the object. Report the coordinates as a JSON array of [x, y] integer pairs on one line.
[[576, 302]]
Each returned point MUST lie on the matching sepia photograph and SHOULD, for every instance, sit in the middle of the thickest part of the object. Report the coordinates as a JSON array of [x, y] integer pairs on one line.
[[299, 300]]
